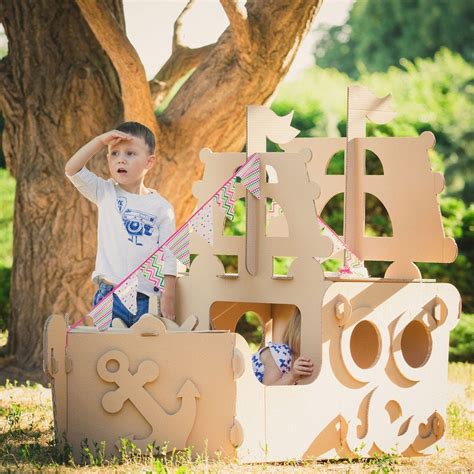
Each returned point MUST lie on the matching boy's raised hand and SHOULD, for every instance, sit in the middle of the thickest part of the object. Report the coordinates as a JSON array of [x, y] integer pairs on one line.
[[87, 151], [113, 137]]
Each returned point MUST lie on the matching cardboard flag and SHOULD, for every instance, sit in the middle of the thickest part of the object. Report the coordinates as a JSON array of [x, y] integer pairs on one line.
[[249, 175], [152, 269], [127, 293], [202, 223], [225, 198], [179, 245], [101, 313]]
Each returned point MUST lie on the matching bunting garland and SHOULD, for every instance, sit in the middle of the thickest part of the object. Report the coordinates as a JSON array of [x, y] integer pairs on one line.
[[101, 313], [127, 293], [202, 223], [179, 245], [152, 269], [249, 174], [225, 198]]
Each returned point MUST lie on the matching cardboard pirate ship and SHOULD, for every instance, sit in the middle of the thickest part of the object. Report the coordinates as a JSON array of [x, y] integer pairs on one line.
[[379, 345]]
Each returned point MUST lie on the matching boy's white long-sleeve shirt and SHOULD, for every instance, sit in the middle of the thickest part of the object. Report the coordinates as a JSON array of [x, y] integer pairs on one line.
[[130, 228]]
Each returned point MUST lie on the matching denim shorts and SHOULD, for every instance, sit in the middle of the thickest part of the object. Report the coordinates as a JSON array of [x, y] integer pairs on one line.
[[118, 309]]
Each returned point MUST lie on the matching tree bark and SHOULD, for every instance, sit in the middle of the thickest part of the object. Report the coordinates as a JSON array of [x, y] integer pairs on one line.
[[64, 81]]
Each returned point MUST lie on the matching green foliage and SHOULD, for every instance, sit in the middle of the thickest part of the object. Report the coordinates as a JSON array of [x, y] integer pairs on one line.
[[7, 196], [461, 340], [378, 33]]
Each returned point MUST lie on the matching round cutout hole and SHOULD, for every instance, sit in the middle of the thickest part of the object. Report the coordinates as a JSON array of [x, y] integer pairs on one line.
[[365, 344], [416, 344]]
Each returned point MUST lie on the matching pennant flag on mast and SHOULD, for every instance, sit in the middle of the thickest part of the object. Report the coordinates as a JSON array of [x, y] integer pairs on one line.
[[101, 314], [153, 269], [127, 293], [225, 198], [179, 245], [202, 223]]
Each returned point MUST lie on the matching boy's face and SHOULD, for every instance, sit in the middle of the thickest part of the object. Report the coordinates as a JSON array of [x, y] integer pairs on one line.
[[129, 160]]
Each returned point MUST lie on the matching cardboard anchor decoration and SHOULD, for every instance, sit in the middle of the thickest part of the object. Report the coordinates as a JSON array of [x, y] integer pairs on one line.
[[378, 345]]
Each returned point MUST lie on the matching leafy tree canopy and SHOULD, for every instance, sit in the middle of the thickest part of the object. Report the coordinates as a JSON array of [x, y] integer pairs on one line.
[[378, 33]]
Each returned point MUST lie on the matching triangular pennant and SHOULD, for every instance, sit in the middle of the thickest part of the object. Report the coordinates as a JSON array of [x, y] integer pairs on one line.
[[225, 198], [249, 175], [202, 223], [152, 270], [337, 242], [179, 245], [101, 313], [127, 292]]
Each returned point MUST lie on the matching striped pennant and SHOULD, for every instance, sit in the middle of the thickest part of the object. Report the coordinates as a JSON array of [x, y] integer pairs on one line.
[[152, 269], [179, 245], [225, 198], [249, 175], [127, 293], [202, 223], [101, 313]]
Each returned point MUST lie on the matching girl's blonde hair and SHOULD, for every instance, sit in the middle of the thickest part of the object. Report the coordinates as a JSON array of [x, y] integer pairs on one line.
[[292, 334]]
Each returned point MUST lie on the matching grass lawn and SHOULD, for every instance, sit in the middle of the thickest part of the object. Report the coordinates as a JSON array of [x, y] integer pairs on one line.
[[26, 441]]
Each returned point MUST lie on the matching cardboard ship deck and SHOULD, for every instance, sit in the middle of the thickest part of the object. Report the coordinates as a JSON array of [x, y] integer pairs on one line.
[[379, 345]]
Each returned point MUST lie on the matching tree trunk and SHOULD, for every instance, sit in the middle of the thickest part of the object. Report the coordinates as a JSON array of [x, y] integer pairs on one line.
[[63, 82]]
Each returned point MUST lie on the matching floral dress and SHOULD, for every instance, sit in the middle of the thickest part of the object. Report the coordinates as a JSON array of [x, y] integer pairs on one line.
[[281, 354]]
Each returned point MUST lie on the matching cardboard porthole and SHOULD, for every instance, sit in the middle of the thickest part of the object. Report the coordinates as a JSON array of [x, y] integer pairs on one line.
[[365, 345], [412, 346], [416, 344]]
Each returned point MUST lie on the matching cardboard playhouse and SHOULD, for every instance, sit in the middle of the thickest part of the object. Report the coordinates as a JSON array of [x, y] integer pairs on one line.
[[379, 345]]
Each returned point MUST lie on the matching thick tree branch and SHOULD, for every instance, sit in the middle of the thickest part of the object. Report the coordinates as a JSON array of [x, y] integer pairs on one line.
[[181, 61], [178, 26], [239, 26], [209, 109], [134, 86]]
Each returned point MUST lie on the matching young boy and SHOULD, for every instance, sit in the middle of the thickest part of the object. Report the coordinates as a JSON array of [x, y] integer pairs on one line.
[[133, 219]]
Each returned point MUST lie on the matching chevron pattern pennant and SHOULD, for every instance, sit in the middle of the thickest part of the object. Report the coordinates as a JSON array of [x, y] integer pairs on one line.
[[127, 292], [225, 198], [202, 223], [249, 175], [179, 245], [152, 270], [101, 314]]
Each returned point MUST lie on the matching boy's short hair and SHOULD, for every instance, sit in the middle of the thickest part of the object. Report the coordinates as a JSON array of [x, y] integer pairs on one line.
[[140, 131]]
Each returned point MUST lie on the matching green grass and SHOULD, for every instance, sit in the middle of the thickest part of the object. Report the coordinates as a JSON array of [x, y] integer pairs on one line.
[[27, 444]]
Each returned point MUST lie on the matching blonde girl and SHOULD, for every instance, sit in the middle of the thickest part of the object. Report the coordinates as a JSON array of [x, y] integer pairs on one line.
[[282, 364]]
